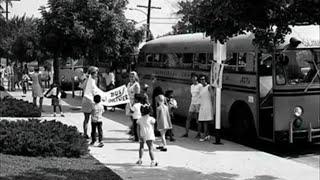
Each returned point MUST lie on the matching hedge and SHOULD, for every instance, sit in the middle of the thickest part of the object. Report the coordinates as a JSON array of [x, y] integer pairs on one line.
[[41, 138], [10, 107]]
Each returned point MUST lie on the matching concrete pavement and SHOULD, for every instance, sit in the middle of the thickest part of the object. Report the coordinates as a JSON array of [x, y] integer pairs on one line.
[[187, 158]]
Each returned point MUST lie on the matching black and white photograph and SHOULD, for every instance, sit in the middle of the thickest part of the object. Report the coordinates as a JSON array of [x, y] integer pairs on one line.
[[159, 90]]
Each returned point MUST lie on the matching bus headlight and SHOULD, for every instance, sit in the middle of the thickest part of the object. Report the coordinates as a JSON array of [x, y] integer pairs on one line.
[[297, 123], [297, 111]]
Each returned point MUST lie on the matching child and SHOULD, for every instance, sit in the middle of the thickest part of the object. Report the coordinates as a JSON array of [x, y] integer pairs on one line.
[[136, 114], [145, 92], [172, 105], [54, 93], [25, 80], [96, 120], [146, 133], [163, 121]]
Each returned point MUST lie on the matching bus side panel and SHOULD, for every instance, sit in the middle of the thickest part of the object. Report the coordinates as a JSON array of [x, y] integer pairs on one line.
[[229, 97], [285, 104]]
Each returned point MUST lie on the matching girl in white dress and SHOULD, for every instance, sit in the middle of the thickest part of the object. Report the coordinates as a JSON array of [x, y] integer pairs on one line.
[[206, 112], [146, 133]]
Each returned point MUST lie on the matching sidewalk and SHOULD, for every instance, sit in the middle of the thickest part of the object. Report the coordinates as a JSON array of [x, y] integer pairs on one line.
[[187, 158]]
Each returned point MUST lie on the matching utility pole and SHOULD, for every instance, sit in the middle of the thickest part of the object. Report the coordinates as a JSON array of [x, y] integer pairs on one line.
[[149, 7]]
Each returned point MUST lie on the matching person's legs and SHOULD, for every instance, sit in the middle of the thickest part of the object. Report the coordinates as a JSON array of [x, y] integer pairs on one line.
[[205, 128], [40, 103], [135, 132], [150, 148], [35, 101], [100, 133], [93, 132], [163, 139], [85, 124], [54, 110], [141, 149], [187, 124]]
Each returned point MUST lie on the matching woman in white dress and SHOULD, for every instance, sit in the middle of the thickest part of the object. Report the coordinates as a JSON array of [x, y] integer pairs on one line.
[[133, 88], [90, 90], [207, 111], [37, 90]]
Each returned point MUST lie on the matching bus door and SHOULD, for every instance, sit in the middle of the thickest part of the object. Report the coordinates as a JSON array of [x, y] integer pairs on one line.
[[265, 123]]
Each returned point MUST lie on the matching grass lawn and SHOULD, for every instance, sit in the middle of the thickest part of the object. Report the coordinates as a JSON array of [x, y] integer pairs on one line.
[[53, 168]]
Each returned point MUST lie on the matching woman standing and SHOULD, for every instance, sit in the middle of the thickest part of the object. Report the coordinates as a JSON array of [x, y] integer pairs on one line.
[[206, 111], [37, 90], [133, 88], [90, 91]]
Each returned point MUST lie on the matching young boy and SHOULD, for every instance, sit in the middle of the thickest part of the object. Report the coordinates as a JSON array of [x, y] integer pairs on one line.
[[96, 120]]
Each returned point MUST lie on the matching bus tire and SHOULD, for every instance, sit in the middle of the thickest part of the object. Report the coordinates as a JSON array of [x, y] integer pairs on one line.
[[242, 127]]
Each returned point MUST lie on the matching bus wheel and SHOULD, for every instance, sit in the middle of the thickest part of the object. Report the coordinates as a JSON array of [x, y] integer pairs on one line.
[[241, 123]]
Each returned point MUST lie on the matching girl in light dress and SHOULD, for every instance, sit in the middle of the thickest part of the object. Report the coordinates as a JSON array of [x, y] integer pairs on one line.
[[163, 121], [146, 133]]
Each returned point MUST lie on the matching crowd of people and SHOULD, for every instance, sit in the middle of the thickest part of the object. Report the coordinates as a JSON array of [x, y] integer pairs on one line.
[[149, 119]]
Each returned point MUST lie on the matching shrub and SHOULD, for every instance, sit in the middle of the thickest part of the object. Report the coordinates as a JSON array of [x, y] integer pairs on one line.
[[46, 138], [10, 107]]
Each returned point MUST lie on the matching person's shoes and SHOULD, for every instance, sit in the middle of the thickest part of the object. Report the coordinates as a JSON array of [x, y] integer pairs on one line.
[[139, 162], [185, 135], [163, 149], [159, 147], [62, 115], [54, 115], [207, 138], [172, 139], [100, 144], [198, 136], [153, 164], [92, 143], [86, 136]]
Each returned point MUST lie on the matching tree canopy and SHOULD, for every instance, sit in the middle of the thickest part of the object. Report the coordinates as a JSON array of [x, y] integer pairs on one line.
[[222, 19], [96, 30]]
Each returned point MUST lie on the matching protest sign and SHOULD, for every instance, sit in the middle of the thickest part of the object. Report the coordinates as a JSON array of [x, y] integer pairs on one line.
[[216, 74], [116, 96]]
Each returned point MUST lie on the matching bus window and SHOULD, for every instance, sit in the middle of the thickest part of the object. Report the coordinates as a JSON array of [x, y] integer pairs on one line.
[[141, 58], [231, 62], [297, 66], [149, 59], [202, 61], [187, 58], [251, 62], [242, 62], [265, 64], [202, 58]]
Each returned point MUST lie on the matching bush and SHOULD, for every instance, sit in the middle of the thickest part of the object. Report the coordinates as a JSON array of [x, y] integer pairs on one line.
[[10, 107], [46, 138]]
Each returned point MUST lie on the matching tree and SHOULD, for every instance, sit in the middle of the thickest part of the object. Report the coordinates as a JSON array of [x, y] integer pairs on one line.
[[25, 45], [96, 30], [222, 19]]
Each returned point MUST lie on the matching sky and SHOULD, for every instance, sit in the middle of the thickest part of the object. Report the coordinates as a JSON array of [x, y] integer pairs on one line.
[[158, 26]]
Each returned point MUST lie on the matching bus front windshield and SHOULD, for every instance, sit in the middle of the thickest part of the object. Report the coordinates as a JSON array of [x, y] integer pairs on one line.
[[298, 67]]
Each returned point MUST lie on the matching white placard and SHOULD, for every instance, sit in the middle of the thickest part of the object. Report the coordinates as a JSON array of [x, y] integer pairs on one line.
[[116, 96]]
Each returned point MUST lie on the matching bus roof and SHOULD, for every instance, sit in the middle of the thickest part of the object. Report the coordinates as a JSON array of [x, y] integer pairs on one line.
[[198, 42]]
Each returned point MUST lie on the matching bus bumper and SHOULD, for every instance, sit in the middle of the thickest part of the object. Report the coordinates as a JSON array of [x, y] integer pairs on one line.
[[292, 135]]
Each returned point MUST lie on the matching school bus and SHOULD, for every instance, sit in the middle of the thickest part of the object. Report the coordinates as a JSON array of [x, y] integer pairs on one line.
[[274, 96]]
